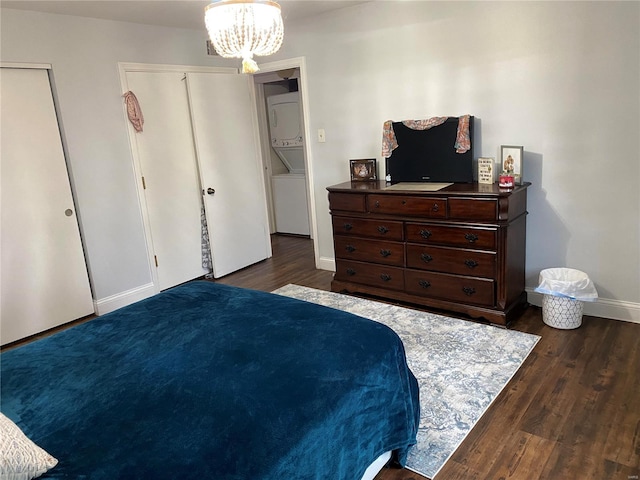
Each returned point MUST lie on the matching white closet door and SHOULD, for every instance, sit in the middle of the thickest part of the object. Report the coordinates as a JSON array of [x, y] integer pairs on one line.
[[44, 275], [224, 117], [167, 159]]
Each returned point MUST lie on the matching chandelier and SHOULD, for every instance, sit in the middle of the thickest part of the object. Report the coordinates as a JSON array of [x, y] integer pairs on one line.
[[244, 28]]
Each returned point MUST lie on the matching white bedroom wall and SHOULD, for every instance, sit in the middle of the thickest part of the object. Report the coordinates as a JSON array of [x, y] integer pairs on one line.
[[560, 78], [84, 54]]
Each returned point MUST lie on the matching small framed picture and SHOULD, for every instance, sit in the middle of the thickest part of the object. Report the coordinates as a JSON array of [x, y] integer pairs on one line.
[[511, 161], [486, 169], [363, 170]]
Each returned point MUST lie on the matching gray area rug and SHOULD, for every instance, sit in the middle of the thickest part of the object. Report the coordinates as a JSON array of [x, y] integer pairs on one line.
[[461, 368]]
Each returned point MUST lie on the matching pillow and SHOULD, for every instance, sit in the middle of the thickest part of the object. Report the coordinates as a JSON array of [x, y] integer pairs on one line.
[[20, 458]]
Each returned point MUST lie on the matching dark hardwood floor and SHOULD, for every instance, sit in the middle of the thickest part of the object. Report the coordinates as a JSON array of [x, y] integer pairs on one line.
[[572, 411], [292, 262]]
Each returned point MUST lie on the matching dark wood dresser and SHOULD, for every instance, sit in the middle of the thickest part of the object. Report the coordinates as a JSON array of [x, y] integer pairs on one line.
[[460, 249]]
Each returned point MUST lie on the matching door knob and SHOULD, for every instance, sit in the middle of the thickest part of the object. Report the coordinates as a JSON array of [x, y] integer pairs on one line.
[[210, 191]]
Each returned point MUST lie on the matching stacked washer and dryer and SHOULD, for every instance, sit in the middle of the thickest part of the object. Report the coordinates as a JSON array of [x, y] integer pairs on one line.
[[287, 140]]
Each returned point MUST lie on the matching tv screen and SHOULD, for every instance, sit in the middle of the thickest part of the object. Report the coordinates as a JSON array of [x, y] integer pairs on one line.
[[429, 155]]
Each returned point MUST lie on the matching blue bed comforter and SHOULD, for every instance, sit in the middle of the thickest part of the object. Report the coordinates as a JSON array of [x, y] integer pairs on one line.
[[209, 381]]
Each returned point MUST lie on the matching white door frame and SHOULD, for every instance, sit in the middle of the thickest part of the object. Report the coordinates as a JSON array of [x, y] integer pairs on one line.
[[300, 63], [123, 68]]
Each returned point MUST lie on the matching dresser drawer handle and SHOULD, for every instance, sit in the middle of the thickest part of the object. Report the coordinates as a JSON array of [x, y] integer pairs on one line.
[[385, 253], [350, 248], [468, 291], [426, 257], [435, 207], [471, 237], [424, 283], [404, 202], [385, 277], [382, 229], [347, 226], [425, 233], [351, 271], [471, 263], [377, 204]]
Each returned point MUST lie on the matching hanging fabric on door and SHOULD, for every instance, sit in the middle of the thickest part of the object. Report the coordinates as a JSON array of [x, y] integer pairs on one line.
[[134, 112], [207, 261]]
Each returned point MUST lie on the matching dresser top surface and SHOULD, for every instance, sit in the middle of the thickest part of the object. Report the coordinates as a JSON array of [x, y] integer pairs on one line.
[[462, 189]]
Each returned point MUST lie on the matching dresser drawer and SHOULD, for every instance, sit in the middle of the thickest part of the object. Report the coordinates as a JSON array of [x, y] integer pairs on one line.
[[456, 236], [370, 274], [452, 260], [463, 246], [375, 228], [407, 205], [455, 288], [352, 202], [366, 250], [477, 209]]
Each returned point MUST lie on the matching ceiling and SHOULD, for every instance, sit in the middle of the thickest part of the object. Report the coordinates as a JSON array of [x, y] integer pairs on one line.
[[168, 13]]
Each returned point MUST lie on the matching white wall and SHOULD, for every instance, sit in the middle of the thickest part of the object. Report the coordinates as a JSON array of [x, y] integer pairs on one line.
[[561, 79], [84, 54]]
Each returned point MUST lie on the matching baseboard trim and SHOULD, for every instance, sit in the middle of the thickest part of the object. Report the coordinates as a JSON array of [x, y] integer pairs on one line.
[[603, 307], [119, 300], [326, 263]]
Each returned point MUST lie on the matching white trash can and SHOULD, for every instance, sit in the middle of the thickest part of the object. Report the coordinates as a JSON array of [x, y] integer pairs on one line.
[[564, 291], [562, 312]]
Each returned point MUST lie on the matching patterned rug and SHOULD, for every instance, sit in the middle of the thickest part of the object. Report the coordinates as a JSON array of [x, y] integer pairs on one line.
[[461, 368]]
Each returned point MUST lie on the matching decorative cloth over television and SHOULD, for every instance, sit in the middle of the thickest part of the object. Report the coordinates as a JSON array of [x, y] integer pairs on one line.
[[463, 139]]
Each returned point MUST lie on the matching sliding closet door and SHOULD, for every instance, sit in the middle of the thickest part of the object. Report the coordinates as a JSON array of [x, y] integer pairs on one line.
[[225, 131], [171, 184], [44, 275]]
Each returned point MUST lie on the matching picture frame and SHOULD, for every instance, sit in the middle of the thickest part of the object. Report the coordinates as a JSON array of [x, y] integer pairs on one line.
[[363, 170], [511, 160], [486, 170]]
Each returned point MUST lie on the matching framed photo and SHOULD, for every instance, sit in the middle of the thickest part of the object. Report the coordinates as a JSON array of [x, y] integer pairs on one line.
[[363, 170], [511, 161], [486, 167]]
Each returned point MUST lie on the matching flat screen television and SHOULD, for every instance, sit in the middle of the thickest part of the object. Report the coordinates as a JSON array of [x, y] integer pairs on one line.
[[429, 155]]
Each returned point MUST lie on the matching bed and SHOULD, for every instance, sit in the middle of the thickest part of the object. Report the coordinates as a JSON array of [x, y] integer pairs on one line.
[[211, 381]]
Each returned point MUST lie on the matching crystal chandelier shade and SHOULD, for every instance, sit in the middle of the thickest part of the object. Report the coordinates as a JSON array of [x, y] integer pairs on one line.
[[243, 28]]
